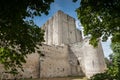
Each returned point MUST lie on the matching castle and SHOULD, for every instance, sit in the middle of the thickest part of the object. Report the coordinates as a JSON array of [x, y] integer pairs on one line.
[[64, 52]]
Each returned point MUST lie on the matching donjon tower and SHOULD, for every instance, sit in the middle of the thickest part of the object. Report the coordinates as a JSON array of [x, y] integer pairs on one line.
[[80, 58]]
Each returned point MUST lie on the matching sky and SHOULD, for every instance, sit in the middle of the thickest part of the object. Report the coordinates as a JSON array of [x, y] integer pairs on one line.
[[68, 7]]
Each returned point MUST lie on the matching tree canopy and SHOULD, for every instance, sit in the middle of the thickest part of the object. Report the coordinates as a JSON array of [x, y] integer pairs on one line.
[[115, 68], [100, 18], [19, 37]]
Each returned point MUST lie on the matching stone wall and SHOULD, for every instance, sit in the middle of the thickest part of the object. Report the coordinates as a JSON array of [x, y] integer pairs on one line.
[[55, 62], [93, 59], [31, 68], [77, 49]]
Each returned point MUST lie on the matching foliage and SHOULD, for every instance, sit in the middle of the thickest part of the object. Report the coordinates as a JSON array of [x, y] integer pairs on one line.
[[101, 76], [74, 0], [107, 61], [116, 60], [100, 18], [19, 37]]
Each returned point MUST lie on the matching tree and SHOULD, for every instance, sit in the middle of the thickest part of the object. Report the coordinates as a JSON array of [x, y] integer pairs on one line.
[[100, 18], [19, 36], [107, 61], [115, 68]]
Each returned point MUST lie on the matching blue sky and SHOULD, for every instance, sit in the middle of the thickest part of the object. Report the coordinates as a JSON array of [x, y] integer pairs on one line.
[[68, 7], [106, 47]]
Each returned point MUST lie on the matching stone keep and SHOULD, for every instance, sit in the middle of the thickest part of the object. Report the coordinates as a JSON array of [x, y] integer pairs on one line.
[[64, 52], [77, 56]]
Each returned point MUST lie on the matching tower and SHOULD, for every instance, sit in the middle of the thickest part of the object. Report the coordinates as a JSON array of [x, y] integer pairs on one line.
[[61, 29]]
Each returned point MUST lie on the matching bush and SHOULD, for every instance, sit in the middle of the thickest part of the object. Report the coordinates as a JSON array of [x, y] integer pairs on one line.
[[101, 76]]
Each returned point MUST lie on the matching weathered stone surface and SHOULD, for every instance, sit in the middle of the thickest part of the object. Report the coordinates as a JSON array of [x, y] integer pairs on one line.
[[91, 59], [31, 68], [55, 62]]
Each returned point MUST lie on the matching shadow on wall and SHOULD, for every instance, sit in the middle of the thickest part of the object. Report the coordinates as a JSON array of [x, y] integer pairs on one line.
[[76, 69]]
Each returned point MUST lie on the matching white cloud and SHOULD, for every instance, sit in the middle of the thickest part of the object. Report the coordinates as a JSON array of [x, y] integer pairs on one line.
[[106, 48], [78, 25]]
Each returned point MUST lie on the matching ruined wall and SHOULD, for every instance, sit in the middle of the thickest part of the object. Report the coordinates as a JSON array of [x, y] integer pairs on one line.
[[76, 61], [61, 29], [93, 59], [31, 68], [77, 49], [54, 61], [101, 58], [1, 69]]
